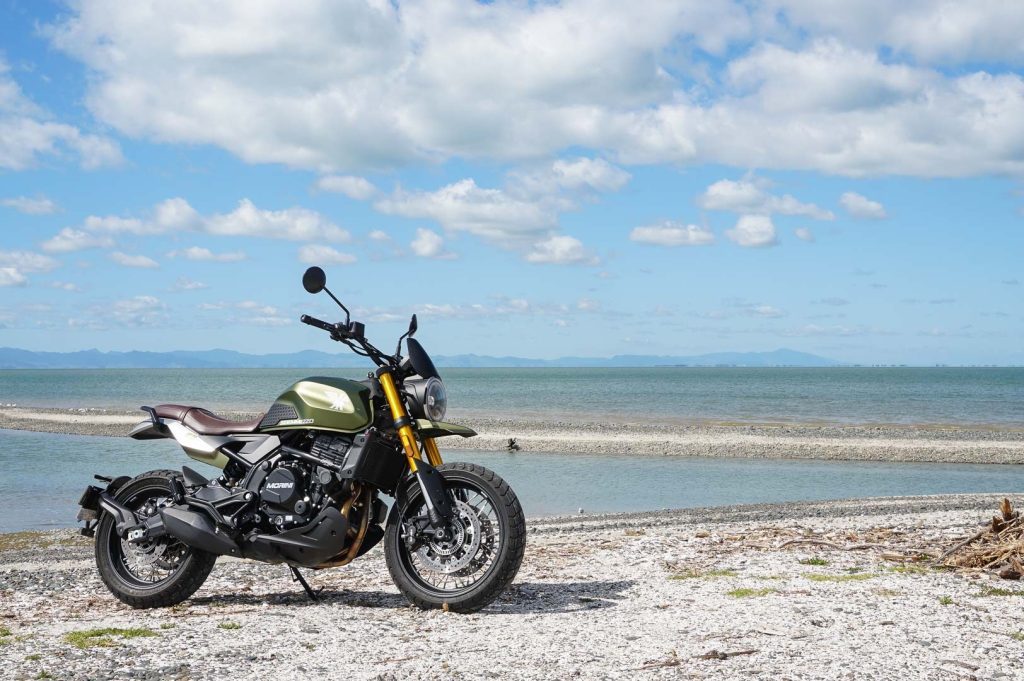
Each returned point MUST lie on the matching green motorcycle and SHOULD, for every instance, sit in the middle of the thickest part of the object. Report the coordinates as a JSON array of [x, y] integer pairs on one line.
[[302, 485]]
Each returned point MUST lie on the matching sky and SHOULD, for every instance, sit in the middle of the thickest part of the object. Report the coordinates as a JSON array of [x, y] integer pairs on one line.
[[537, 179]]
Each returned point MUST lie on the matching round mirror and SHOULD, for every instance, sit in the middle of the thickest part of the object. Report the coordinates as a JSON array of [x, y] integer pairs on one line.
[[314, 280]]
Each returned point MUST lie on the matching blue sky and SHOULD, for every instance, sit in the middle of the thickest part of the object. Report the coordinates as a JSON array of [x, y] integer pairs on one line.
[[542, 179]]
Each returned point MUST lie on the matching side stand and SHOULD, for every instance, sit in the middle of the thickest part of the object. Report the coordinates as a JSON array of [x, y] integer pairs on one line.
[[297, 577]]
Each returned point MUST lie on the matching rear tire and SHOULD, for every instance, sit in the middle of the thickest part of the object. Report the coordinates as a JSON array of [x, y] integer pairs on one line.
[[187, 568], [499, 535]]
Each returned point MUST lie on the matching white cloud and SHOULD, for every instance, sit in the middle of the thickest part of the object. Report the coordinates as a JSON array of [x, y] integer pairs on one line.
[[753, 231], [139, 261], [785, 84], [804, 234], [464, 207], [588, 305], [561, 250], [38, 205], [862, 207], [749, 196], [139, 311], [27, 133], [314, 254], [246, 220], [670, 233], [576, 175], [69, 240], [10, 276], [14, 265], [358, 188], [186, 284], [428, 244], [379, 235], [65, 286], [201, 254]]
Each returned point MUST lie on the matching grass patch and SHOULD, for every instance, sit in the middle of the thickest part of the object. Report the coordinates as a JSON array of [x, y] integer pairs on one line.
[[167, 625], [101, 638], [635, 533], [945, 600], [750, 593], [4, 631], [813, 561], [229, 625], [696, 574], [996, 591], [855, 577], [34, 657], [1017, 636], [44, 675]]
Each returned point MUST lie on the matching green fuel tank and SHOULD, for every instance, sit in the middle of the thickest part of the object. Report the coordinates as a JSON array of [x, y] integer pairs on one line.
[[324, 403]]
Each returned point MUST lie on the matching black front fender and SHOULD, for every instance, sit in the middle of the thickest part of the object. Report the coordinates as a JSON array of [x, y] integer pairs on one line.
[[430, 481]]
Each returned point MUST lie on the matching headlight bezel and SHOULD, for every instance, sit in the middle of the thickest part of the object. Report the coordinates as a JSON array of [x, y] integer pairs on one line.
[[428, 398]]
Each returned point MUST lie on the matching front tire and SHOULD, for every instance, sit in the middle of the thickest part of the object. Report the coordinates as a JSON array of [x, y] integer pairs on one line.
[[488, 539], [157, 574]]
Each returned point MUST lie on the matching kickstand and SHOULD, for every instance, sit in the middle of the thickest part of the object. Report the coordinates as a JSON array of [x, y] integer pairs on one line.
[[297, 577]]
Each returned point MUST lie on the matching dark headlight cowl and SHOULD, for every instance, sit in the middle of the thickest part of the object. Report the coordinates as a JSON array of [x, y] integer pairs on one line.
[[428, 398]]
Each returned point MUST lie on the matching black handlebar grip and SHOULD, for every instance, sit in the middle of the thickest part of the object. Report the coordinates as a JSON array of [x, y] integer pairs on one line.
[[313, 321]]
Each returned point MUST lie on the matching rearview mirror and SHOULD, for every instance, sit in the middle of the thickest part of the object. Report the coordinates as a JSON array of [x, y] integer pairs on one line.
[[412, 326], [314, 280]]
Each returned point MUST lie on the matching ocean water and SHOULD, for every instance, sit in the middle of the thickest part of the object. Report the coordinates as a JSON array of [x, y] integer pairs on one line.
[[45, 474], [993, 396]]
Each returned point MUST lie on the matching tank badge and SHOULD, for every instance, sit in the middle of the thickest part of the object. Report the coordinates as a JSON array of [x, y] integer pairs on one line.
[[340, 401]]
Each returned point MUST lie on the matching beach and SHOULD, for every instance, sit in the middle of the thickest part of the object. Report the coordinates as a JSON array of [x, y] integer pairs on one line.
[[731, 592], [827, 441]]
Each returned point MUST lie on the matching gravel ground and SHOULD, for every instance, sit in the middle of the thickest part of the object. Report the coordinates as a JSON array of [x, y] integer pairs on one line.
[[701, 593], [946, 444]]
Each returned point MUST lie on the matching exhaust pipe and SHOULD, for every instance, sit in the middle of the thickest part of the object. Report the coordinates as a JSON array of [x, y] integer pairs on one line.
[[196, 530]]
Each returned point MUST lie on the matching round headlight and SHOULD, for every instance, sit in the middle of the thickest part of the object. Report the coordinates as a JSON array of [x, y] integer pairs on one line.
[[435, 400]]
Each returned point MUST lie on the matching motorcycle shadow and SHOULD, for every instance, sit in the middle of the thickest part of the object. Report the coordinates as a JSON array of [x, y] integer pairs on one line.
[[521, 598]]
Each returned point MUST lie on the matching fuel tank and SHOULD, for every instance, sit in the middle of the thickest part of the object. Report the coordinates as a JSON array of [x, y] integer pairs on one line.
[[324, 403]]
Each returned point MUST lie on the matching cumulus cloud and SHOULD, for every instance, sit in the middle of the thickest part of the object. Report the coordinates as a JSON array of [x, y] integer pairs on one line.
[[804, 234], [14, 265], [201, 254], [753, 231], [139, 261], [861, 207], [315, 254], [749, 196], [358, 188], [28, 133], [70, 239], [561, 250], [783, 84], [429, 244], [177, 216], [38, 205], [670, 233], [186, 284]]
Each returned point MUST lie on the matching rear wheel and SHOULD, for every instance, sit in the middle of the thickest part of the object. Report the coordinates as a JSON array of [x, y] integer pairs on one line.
[[480, 553], [152, 574]]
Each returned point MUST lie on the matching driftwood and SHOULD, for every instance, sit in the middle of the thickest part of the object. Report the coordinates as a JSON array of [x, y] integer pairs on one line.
[[999, 547], [833, 545]]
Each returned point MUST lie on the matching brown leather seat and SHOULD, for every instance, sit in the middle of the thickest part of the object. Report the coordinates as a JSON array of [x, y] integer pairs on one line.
[[206, 422]]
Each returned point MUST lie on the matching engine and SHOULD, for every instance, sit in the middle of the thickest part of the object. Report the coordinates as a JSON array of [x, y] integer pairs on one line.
[[295, 491]]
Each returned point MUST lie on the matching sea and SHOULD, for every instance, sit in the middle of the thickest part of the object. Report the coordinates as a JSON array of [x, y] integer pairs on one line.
[[44, 474]]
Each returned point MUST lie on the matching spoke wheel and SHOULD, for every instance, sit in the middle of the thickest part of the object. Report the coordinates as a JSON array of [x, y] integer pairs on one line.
[[474, 558], [149, 574]]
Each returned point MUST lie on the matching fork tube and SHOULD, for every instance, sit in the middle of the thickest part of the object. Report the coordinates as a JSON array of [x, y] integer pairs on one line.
[[403, 424], [433, 453]]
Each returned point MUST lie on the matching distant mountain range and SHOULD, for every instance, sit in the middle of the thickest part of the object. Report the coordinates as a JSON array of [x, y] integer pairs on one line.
[[14, 358]]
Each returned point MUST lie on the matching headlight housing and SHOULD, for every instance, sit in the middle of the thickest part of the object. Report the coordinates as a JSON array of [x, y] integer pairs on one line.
[[429, 398]]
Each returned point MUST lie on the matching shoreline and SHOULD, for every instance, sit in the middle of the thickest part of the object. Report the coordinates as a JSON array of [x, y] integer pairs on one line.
[[838, 442], [724, 592]]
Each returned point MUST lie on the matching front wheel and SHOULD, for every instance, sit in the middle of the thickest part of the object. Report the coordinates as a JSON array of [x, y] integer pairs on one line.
[[482, 549]]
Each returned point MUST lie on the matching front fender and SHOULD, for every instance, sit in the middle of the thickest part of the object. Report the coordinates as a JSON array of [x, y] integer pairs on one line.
[[428, 428]]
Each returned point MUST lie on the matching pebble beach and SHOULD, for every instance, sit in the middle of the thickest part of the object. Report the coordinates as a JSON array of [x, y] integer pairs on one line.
[[923, 443], [782, 591]]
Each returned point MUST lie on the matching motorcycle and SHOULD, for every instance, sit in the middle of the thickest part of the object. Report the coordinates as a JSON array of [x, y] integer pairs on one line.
[[303, 483]]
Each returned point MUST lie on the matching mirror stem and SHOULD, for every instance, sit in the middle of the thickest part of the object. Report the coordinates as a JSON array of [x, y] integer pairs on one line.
[[347, 315]]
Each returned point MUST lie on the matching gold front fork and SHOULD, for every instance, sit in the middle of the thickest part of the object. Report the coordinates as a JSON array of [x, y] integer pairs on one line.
[[404, 423]]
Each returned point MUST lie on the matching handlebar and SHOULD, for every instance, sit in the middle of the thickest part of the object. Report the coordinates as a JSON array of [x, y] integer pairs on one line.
[[319, 323], [353, 337]]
